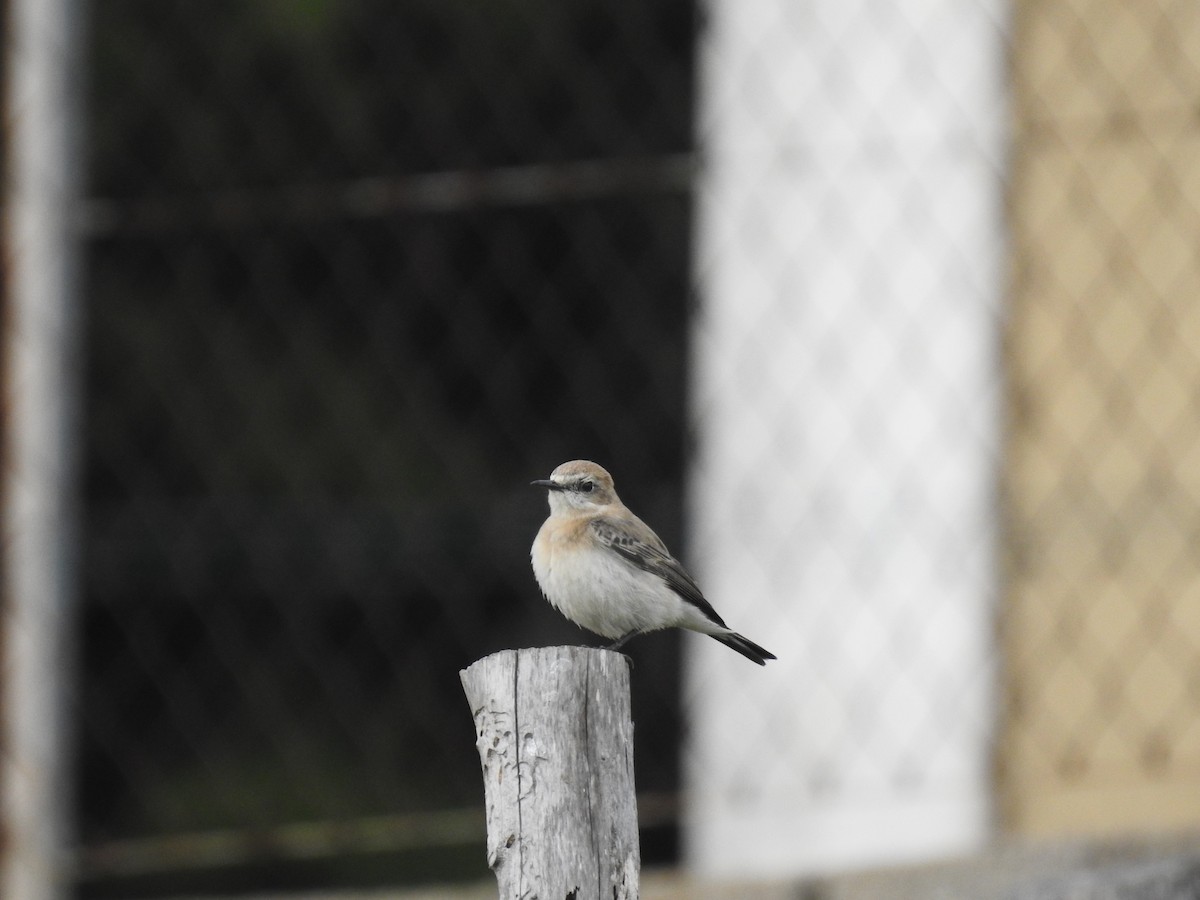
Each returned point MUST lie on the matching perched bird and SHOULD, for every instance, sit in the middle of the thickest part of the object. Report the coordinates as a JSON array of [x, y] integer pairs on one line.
[[605, 570]]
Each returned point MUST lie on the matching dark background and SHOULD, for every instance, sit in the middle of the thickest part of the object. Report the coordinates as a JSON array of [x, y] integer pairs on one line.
[[319, 382]]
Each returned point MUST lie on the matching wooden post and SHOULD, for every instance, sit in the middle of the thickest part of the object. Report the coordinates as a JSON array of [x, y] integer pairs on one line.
[[555, 739]]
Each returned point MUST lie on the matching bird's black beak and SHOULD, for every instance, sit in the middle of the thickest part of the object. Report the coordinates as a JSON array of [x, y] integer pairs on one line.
[[548, 484]]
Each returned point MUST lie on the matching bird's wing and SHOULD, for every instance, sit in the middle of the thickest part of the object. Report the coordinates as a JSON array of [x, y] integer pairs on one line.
[[635, 542]]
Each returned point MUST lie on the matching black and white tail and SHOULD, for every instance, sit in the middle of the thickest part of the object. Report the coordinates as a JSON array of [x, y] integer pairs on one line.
[[746, 647]]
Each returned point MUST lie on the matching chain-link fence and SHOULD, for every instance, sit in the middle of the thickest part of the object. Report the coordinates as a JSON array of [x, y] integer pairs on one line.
[[1102, 621], [849, 391], [356, 272]]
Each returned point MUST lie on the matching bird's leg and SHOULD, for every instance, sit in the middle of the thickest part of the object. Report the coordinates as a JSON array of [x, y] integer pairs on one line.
[[620, 642]]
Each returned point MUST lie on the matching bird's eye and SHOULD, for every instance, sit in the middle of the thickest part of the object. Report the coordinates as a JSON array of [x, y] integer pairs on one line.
[[587, 487]]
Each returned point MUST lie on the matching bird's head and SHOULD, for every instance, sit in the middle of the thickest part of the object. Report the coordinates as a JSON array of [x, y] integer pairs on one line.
[[578, 485]]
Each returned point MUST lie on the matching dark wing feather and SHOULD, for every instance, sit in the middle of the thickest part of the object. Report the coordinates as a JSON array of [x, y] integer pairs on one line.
[[650, 554]]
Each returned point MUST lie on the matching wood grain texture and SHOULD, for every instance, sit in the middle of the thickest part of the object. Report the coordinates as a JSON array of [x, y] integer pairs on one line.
[[555, 741]]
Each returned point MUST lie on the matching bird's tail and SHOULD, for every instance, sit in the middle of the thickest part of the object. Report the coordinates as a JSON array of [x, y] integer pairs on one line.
[[746, 647]]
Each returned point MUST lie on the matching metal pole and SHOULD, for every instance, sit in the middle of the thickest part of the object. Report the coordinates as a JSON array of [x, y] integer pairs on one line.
[[849, 265], [40, 491]]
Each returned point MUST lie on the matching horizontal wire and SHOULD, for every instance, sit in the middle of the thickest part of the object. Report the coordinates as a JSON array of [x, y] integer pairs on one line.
[[430, 192], [310, 840]]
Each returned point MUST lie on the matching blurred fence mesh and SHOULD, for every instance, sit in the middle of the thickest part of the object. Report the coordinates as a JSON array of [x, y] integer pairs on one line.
[[357, 272], [1102, 486]]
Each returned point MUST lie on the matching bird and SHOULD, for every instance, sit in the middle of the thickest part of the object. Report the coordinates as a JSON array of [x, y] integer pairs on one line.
[[604, 568]]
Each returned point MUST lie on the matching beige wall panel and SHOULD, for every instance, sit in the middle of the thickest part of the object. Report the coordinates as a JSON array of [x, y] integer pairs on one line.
[[1101, 629], [1083, 60]]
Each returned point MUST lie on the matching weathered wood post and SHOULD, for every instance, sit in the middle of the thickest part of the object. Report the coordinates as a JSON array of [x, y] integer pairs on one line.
[[555, 739]]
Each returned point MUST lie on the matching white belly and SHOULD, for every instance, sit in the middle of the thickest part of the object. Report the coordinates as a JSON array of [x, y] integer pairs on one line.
[[600, 591]]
